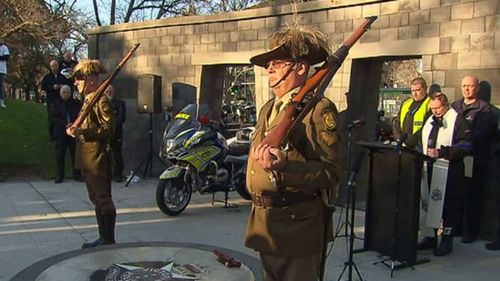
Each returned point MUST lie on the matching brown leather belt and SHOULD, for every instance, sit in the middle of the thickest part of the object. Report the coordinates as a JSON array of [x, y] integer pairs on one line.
[[280, 200]]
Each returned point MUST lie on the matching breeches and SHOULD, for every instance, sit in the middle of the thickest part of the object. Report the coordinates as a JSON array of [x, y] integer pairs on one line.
[[99, 190], [277, 268]]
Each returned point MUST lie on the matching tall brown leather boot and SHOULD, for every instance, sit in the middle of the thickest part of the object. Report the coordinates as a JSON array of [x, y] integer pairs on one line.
[[100, 225], [109, 228]]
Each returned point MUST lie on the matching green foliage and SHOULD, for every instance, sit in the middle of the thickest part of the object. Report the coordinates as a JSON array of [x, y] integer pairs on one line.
[[25, 149]]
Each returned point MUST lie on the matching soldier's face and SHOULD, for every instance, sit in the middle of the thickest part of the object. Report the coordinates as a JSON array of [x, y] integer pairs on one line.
[[470, 87], [80, 85], [277, 69], [418, 91]]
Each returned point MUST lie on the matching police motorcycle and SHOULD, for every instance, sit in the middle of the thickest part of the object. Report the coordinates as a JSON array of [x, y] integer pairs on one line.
[[201, 161]]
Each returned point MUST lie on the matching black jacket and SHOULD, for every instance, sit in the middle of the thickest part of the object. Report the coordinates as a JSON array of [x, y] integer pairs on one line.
[[62, 113], [120, 113], [48, 82]]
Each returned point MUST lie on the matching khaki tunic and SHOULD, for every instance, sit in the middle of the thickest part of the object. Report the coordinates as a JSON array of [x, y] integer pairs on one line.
[[94, 156], [312, 167]]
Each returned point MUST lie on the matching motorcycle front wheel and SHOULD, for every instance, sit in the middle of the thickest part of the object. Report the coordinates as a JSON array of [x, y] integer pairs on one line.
[[173, 196]]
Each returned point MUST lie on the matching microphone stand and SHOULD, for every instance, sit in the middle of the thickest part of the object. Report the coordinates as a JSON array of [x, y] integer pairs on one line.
[[349, 225]]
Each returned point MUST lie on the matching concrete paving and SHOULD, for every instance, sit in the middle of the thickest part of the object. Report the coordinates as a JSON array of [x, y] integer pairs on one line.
[[39, 219]]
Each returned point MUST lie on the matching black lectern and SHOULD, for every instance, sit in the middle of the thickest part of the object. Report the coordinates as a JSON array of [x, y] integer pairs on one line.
[[391, 223]]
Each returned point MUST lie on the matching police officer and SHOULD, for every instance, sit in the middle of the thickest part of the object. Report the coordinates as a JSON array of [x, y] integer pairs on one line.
[[483, 124], [93, 152], [413, 114], [289, 185]]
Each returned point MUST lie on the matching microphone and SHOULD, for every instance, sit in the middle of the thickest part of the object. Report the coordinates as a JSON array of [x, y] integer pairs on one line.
[[356, 165], [358, 123], [400, 142]]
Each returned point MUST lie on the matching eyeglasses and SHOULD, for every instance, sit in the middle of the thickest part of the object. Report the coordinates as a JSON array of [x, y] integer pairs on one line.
[[278, 64]]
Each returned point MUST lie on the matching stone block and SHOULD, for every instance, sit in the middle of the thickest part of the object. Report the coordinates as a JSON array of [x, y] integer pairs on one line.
[[485, 8], [188, 30], [319, 17], [419, 17], [215, 27], [444, 61], [441, 14], [381, 22], [273, 22], [201, 28], [428, 4], [187, 71], [174, 30], [258, 23], [215, 48], [370, 10], [229, 25], [473, 26], [200, 48], [244, 46], [450, 93], [390, 7], [179, 39], [264, 33], [173, 49], [343, 26], [335, 14], [207, 38], [222, 37], [497, 40], [444, 45], [492, 23], [327, 27], [453, 2], [408, 32], [490, 59], [427, 75], [258, 45], [371, 36], [485, 41], [234, 36], [438, 77], [244, 25], [306, 18], [469, 60], [389, 34], [450, 28], [462, 11], [193, 39], [426, 62], [352, 12], [167, 40], [428, 30], [398, 20], [460, 42], [408, 5], [229, 47], [248, 35]]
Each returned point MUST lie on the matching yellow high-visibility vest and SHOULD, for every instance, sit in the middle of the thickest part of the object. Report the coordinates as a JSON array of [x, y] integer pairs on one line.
[[418, 117]]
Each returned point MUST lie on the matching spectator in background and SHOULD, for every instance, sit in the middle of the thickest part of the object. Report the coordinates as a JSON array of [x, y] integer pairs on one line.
[[51, 85], [483, 125], [411, 117], [434, 88], [117, 140], [62, 113], [485, 94], [4, 56], [66, 66]]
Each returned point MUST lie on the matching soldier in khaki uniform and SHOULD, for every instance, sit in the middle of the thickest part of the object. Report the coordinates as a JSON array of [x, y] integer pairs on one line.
[[93, 152], [289, 186]]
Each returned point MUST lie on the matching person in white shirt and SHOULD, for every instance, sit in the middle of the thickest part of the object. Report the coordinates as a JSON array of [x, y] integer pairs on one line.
[[4, 56]]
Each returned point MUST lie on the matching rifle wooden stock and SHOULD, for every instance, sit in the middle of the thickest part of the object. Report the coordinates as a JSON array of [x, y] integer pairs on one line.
[[100, 90], [318, 83]]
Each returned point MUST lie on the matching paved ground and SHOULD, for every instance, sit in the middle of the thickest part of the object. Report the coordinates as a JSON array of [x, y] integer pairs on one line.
[[39, 219]]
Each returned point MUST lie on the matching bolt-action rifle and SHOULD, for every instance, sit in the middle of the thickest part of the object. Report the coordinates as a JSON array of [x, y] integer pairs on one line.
[[100, 90], [317, 83]]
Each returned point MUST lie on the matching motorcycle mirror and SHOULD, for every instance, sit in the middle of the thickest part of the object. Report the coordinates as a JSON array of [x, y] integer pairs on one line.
[[204, 120]]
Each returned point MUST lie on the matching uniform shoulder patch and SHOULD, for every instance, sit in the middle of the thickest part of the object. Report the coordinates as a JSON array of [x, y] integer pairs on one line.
[[329, 119]]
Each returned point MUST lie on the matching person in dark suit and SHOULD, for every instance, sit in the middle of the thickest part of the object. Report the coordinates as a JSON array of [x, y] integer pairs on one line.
[[117, 140], [288, 223], [51, 85], [63, 113], [93, 151]]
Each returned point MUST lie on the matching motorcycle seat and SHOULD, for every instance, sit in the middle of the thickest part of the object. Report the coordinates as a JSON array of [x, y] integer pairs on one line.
[[236, 158], [238, 148]]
